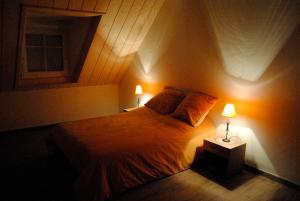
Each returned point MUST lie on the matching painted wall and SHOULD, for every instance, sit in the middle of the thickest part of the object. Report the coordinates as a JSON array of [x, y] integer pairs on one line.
[[225, 50], [23, 109]]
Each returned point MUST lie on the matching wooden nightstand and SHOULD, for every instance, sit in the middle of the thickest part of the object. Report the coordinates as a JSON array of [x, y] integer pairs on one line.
[[129, 109], [225, 158]]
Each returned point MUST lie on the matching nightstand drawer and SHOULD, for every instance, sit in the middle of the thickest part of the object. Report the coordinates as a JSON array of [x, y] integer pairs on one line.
[[216, 149]]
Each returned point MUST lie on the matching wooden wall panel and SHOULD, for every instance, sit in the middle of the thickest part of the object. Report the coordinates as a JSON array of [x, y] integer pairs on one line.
[[127, 49], [10, 38], [102, 5], [89, 5], [30, 2], [75, 4], [45, 3], [138, 27], [116, 51], [123, 26], [110, 67], [1, 38], [147, 25], [123, 66], [101, 34], [61, 3], [112, 37], [138, 41]]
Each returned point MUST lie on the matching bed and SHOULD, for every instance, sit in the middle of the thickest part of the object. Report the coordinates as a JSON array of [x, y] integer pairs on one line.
[[115, 153]]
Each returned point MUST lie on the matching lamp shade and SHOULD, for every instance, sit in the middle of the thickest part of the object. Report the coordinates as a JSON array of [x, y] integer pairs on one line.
[[138, 89], [229, 111]]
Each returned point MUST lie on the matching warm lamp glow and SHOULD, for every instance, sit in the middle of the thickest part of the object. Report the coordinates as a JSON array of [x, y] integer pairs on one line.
[[229, 110], [138, 89]]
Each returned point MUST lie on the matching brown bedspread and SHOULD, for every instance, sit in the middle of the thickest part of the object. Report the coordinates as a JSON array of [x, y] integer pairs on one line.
[[115, 153]]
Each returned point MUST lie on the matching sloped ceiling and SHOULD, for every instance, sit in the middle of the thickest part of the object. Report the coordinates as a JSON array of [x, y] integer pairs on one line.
[[123, 26]]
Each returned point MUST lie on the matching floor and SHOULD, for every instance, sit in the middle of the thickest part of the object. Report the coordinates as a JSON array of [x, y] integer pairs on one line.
[[26, 174]]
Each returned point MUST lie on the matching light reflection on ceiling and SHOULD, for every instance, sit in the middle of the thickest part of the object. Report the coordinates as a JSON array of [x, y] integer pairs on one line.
[[250, 33]]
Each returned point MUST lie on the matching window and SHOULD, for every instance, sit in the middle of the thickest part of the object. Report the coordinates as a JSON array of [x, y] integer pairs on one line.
[[44, 53], [53, 45]]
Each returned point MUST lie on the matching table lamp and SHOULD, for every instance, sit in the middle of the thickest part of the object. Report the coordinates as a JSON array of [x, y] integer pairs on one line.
[[138, 91], [229, 111]]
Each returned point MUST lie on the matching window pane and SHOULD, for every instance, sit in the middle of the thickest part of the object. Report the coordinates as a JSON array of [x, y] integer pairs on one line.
[[35, 59], [54, 40], [54, 59], [34, 40]]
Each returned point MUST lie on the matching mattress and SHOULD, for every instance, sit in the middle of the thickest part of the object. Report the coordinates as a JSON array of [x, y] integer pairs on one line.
[[115, 153]]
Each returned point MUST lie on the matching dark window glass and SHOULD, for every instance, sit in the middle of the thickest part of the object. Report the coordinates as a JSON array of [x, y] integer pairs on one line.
[[44, 53], [34, 40], [54, 59], [35, 59], [54, 40]]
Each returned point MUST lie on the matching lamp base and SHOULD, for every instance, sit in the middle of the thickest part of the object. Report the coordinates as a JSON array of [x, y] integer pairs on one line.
[[226, 140]]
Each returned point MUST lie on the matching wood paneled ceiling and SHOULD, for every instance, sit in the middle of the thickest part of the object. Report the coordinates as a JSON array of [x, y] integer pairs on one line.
[[123, 26]]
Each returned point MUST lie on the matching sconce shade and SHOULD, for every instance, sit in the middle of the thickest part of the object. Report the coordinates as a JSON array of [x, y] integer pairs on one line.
[[138, 89], [229, 110]]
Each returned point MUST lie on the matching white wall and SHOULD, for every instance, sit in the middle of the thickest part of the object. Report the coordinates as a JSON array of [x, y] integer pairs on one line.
[[21, 109]]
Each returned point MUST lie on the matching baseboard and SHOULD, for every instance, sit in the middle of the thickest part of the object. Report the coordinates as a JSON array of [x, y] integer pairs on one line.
[[272, 177]]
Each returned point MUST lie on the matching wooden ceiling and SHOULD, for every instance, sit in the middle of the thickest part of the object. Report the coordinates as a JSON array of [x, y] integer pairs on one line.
[[123, 26]]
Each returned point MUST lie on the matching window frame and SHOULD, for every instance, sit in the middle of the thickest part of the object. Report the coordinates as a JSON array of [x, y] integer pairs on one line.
[[33, 80], [44, 74]]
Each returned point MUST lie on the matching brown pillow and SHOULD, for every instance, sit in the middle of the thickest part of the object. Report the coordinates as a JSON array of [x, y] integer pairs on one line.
[[166, 101], [194, 108]]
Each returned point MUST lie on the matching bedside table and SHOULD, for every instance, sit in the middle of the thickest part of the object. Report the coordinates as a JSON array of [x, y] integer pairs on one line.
[[129, 109], [225, 158]]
